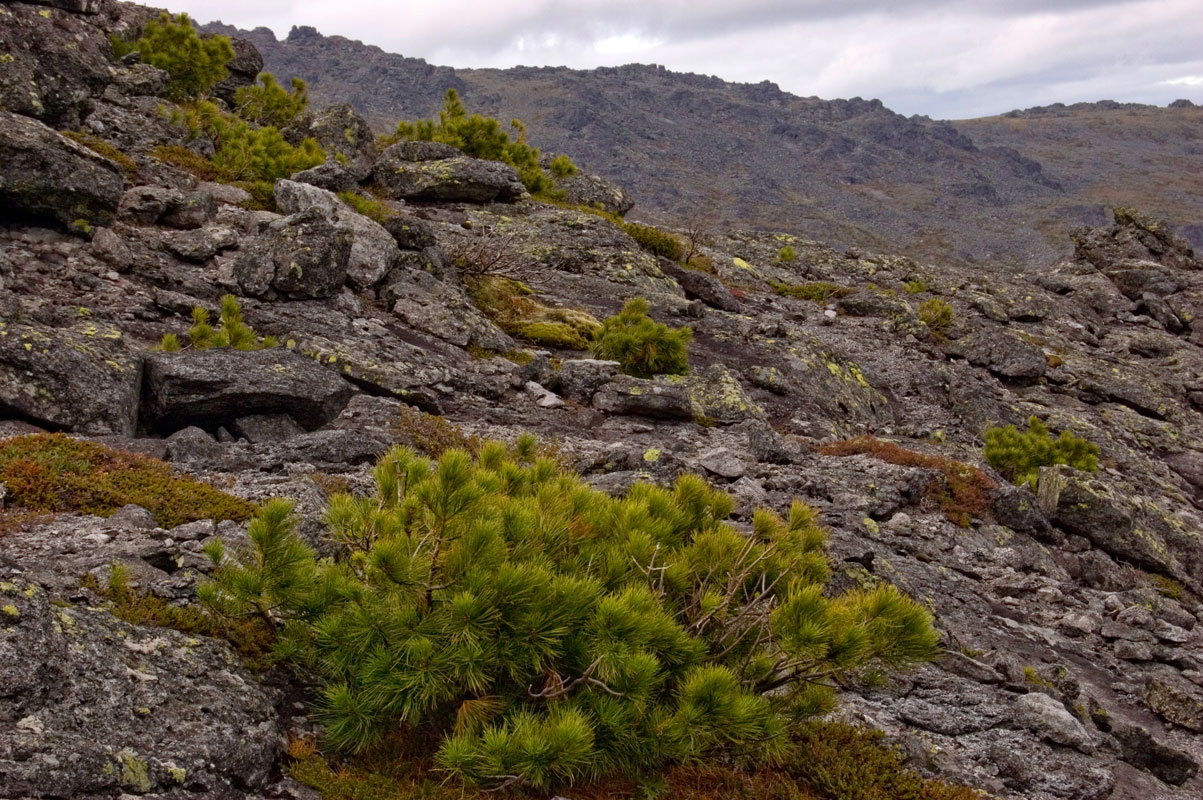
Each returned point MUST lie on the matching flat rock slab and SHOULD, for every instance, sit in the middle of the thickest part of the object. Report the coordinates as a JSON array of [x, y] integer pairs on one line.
[[45, 174], [93, 706], [83, 379], [215, 387], [455, 179]]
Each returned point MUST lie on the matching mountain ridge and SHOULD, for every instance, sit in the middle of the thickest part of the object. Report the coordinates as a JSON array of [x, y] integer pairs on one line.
[[849, 171]]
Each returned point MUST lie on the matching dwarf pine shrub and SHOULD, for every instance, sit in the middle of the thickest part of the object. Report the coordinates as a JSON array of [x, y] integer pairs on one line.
[[231, 331], [1019, 455], [654, 240], [641, 345], [269, 103], [787, 254], [545, 632], [243, 152], [936, 314], [194, 63], [563, 167], [480, 137]]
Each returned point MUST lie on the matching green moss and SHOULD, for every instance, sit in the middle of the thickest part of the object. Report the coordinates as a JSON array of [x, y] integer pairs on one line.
[[510, 304], [135, 773], [52, 472], [654, 240], [815, 291], [372, 209], [104, 149]]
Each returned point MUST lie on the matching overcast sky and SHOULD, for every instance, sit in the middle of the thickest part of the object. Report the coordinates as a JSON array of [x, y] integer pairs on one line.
[[945, 58]]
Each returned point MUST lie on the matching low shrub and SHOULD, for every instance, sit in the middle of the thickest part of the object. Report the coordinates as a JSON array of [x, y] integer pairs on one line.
[[846, 762], [937, 315], [480, 137], [654, 240], [52, 472], [961, 493], [194, 63], [538, 632], [432, 434], [787, 254], [231, 331], [914, 287], [562, 167], [243, 152], [103, 148], [250, 638], [815, 291], [641, 345], [1020, 455], [269, 103]]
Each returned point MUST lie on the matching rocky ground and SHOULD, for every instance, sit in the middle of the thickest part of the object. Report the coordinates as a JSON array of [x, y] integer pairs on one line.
[[1073, 664]]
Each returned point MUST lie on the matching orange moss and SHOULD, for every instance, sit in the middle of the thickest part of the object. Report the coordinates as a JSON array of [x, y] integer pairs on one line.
[[53, 472], [960, 492]]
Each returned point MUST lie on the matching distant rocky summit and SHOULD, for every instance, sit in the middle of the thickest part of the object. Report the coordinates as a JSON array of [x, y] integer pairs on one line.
[[187, 330]]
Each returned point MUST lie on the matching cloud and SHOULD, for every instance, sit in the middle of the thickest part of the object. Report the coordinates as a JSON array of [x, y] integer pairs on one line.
[[944, 58]]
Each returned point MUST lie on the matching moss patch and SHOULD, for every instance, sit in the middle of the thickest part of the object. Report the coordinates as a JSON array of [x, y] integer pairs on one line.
[[52, 472]]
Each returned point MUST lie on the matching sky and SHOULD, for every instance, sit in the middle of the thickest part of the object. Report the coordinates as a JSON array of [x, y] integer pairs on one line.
[[948, 59]]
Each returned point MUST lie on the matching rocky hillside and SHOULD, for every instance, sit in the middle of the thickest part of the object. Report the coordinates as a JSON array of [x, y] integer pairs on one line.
[[859, 381], [845, 171]]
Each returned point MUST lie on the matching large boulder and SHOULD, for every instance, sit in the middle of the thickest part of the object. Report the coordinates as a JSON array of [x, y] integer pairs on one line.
[[583, 189], [342, 133], [300, 256], [662, 398], [45, 174], [92, 706], [452, 179], [1133, 237], [242, 71], [52, 63], [209, 388], [374, 251], [82, 379], [700, 286]]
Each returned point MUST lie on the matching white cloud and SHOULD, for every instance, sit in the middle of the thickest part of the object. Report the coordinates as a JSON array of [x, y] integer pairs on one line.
[[945, 58]]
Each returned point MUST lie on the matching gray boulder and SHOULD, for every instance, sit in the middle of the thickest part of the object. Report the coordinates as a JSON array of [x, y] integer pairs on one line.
[[700, 286], [1045, 716], [342, 133], [453, 179], [329, 175], [93, 706], [659, 399], [373, 249], [55, 62], [583, 189], [209, 388], [243, 70], [303, 255], [578, 378], [83, 378], [45, 174]]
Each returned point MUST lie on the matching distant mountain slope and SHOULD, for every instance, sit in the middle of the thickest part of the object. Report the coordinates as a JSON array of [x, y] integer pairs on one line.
[[846, 171], [1109, 154]]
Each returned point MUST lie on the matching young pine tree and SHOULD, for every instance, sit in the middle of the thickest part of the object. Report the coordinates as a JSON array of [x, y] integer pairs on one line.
[[540, 632], [194, 63], [1020, 455], [269, 103], [641, 345]]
